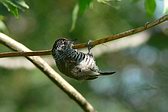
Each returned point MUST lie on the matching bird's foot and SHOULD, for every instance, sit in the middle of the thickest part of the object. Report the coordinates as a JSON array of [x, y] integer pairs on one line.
[[90, 46]]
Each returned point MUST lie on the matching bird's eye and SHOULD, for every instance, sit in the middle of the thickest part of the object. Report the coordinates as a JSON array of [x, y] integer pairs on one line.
[[62, 42]]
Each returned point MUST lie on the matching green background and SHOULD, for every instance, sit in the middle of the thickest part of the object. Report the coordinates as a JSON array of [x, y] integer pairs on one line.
[[141, 80]]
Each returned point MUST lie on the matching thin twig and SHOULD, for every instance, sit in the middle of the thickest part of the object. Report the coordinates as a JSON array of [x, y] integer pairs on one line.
[[94, 43], [32, 53], [124, 34], [49, 72]]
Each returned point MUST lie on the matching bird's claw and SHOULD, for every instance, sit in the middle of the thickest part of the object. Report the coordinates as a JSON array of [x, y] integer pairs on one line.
[[89, 46]]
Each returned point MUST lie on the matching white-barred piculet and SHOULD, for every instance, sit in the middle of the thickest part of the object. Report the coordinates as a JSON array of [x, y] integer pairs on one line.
[[75, 64]]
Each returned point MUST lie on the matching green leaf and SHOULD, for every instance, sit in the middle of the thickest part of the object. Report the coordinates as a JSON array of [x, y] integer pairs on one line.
[[79, 10], [83, 5], [150, 6], [13, 6], [3, 27], [74, 16], [22, 3], [111, 3], [107, 2]]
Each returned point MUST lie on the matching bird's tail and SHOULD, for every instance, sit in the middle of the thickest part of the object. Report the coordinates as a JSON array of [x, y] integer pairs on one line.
[[106, 73]]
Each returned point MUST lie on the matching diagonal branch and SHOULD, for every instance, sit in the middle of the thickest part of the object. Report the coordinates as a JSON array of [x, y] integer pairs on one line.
[[94, 43], [49, 72], [126, 33]]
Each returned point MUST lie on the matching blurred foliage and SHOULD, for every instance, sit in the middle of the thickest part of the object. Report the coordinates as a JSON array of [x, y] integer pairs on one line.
[[79, 9], [165, 11], [150, 6], [140, 84], [13, 7]]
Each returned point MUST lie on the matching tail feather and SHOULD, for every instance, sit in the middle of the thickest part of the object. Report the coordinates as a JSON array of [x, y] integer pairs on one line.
[[106, 73]]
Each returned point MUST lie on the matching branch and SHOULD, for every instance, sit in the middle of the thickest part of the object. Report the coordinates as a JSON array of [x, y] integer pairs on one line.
[[126, 33], [94, 43], [132, 41], [49, 72], [30, 53]]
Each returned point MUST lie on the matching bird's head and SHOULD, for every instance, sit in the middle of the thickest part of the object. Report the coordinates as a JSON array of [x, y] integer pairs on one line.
[[62, 44]]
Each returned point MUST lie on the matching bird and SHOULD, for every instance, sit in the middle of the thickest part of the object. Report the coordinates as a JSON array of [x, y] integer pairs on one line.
[[76, 64]]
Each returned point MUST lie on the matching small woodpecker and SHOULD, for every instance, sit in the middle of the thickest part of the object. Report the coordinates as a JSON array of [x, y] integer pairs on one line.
[[75, 64]]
